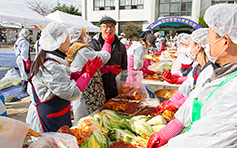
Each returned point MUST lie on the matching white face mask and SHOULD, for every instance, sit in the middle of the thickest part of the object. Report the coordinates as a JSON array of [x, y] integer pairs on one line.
[[191, 56], [85, 39], [207, 50], [184, 50]]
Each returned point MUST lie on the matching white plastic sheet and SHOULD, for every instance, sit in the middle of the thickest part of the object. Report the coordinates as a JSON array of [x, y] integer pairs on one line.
[[12, 132]]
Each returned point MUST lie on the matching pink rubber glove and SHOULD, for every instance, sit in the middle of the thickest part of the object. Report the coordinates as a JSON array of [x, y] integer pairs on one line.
[[83, 81], [27, 64], [173, 128], [75, 75], [178, 98]]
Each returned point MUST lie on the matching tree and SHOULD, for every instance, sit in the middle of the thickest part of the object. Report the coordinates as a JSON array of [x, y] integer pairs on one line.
[[40, 6], [201, 21], [131, 29], [67, 9]]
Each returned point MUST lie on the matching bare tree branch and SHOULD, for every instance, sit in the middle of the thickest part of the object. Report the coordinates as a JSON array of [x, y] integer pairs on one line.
[[40, 6]]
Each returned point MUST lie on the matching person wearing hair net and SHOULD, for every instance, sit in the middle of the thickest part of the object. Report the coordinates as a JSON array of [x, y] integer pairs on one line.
[[136, 54], [182, 66], [51, 87], [196, 52], [93, 97], [22, 52], [162, 44], [125, 42], [209, 115]]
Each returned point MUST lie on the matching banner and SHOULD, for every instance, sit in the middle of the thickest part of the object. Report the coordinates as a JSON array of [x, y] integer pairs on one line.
[[174, 20]]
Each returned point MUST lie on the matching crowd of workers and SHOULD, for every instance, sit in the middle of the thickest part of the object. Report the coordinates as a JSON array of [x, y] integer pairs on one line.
[[69, 68]]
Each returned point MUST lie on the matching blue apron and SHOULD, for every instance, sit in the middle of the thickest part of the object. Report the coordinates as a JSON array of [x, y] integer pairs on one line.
[[185, 69], [53, 113]]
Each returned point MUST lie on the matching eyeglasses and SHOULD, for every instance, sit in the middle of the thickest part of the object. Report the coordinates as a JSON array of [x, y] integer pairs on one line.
[[106, 26]]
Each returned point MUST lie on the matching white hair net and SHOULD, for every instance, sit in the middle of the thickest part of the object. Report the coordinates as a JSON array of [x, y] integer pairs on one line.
[[124, 41], [183, 37], [161, 39], [74, 33], [222, 18], [157, 33], [24, 33], [122, 34], [200, 36], [52, 36]]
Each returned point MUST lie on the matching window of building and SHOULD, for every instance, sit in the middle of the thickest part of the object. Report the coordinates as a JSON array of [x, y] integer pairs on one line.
[[213, 2], [130, 4], [175, 8], [104, 5]]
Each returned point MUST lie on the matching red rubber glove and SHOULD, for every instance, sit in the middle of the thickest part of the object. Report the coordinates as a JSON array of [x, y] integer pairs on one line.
[[86, 66], [109, 38], [154, 138], [158, 54], [115, 69], [173, 128], [93, 66], [166, 105], [111, 68], [27, 64], [168, 77], [75, 75], [147, 71]]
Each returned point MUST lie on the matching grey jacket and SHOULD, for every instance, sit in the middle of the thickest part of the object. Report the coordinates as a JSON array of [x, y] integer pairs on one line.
[[118, 57]]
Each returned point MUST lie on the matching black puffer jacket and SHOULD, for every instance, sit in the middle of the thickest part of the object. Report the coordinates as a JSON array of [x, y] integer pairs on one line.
[[118, 57]]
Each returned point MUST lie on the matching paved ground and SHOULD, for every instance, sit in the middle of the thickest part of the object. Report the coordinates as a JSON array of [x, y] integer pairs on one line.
[[18, 110]]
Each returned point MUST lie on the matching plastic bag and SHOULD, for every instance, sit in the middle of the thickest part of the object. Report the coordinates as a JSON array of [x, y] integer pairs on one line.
[[12, 132], [10, 78], [55, 140], [129, 85], [160, 67]]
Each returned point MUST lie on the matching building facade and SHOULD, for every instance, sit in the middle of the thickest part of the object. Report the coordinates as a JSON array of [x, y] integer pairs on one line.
[[144, 12]]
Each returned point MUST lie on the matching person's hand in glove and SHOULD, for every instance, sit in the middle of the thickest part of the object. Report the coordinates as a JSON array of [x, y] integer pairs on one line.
[[88, 71], [168, 77], [27, 64], [173, 128], [75, 75], [92, 66], [109, 38], [115, 69], [147, 71], [166, 105], [108, 41], [111, 68]]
